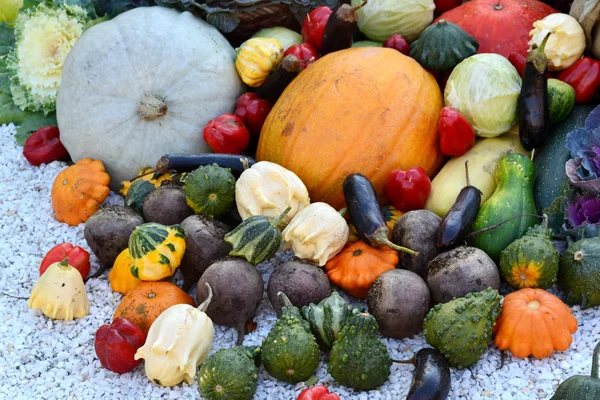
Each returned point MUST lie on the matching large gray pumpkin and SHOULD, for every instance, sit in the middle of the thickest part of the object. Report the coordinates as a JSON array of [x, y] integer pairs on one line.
[[144, 85]]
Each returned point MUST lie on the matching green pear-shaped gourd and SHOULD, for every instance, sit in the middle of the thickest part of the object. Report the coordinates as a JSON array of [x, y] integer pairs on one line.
[[582, 387]]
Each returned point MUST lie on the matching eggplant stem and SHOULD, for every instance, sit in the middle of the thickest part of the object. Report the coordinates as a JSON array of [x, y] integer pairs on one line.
[[409, 361], [399, 248], [467, 172], [492, 227], [532, 154]]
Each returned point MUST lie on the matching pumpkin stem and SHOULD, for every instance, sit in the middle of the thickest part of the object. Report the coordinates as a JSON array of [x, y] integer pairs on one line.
[[596, 361], [285, 299], [152, 106], [276, 221], [202, 307]]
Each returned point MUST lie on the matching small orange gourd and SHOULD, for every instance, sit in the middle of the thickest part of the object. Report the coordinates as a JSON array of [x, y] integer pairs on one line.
[[120, 277], [358, 265], [78, 191], [534, 322], [143, 304]]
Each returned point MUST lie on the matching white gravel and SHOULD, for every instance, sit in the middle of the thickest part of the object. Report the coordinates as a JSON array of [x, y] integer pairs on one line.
[[45, 359]]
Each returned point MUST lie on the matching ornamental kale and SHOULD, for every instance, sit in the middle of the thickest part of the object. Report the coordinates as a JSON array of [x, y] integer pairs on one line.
[[585, 209], [583, 170]]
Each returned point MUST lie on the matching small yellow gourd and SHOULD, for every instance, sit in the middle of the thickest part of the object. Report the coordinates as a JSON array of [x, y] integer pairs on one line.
[[317, 233], [60, 293], [120, 277], [177, 343], [256, 58]]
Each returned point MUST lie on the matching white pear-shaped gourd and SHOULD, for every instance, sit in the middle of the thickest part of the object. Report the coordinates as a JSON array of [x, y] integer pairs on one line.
[[143, 85], [60, 293], [317, 233], [178, 341]]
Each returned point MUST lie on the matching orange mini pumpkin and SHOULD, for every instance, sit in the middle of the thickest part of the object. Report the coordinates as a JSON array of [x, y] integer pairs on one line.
[[358, 265], [534, 322], [144, 303], [78, 191]]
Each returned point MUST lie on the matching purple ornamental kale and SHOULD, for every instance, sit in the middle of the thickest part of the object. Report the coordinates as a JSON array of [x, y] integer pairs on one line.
[[584, 209]]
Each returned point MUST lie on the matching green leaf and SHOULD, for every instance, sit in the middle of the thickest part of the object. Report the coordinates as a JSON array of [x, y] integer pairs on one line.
[[7, 39], [9, 112], [556, 214], [33, 122]]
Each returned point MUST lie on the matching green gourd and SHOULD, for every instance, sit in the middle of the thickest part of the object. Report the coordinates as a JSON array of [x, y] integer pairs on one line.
[[531, 261], [512, 198], [358, 358], [561, 100], [136, 194], [582, 387], [256, 238], [462, 328], [290, 352], [210, 190], [442, 46], [579, 273], [328, 318], [230, 374]]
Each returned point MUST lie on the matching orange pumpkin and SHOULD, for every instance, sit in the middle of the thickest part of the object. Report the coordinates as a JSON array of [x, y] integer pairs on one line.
[[367, 110], [534, 322], [78, 191], [144, 303], [358, 265]]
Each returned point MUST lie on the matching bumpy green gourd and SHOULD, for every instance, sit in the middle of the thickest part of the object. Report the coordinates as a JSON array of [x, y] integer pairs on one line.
[[290, 351], [328, 318], [582, 387], [256, 238], [136, 194], [358, 358], [462, 328], [513, 197], [531, 261], [210, 190], [442, 46], [579, 273], [230, 374]]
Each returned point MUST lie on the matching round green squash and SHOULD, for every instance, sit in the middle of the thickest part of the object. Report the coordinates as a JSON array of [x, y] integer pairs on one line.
[[579, 273], [210, 190], [531, 261], [581, 387], [367, 43], [561, 100], [136, 194], [442, 46], [230, 374]]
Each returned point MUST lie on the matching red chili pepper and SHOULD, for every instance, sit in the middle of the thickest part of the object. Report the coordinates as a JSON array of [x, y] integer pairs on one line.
[[584, 76], [226, 134], [445, 5], [254, 114], [117, 343], [456, 133], [408, 190], [317, 393], [77, 257], [246, 98], [313, 27], [44, 146], [303, 51], [397, 42]]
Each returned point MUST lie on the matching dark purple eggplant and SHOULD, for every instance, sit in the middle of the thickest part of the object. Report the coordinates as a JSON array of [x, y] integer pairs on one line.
[[431, 379], [279, 79], [189, 162], [365, 213], [458, 221], [340, 28]]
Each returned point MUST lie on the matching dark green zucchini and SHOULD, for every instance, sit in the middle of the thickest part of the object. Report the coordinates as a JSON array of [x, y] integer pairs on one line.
[[365, 213], [431, 379], [190, 162]]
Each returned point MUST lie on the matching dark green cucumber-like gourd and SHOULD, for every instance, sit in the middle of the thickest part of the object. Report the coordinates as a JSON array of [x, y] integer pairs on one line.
[[256, 238], [189, 162], [328, 318], [339, 28], [461, 329], [512, 198], [358, 358], [365, 213], [431, 378], [579, 273], [290, 352], [230, 374], [561, 100], [442, 46], [138, 191], [532, 260], [582, 387], [210, 190]]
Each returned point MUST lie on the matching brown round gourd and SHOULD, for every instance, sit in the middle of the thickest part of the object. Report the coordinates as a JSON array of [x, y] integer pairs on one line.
[[362, 110]]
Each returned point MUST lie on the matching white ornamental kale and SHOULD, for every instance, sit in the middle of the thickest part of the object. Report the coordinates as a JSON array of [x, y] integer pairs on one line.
[[44, 36]]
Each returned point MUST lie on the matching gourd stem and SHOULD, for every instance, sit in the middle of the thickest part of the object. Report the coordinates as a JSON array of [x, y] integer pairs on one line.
[[489, 228], [64, 264], [412, 361], [343, 212], [596, 361], [152, 106], [285, 299], [204, 306], [545, 221], [276, 221]]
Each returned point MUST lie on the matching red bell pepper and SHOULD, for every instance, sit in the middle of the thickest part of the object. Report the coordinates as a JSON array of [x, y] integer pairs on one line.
[[313, 27], [44, 146], [305, 52], [456, 133], [253, 114], [226, 134], [317, 393], [397, 42], [408, 190], [584, 77], [77, 258], [116, 344]]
